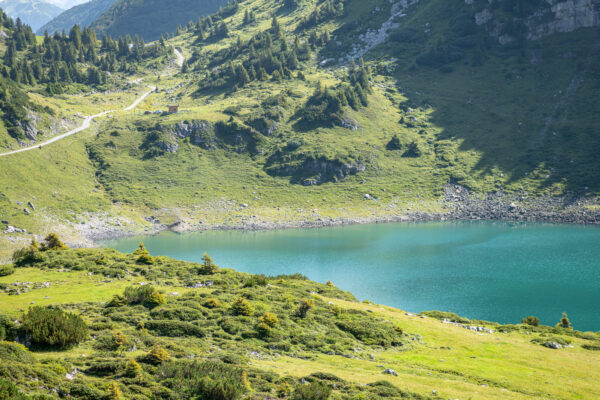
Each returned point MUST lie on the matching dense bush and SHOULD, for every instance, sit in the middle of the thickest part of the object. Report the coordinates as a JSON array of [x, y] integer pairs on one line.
[[371, 333], [304, 307], [208, 266], [211, 303], [174, 328], [104, 368], [133, 369], [147, 295], [269, 319], [8, 329], [27, 255], [256, 280], [156, 355], [242, 307], [533, 321], [112, 341], [6, 270], [413, 150], [53, 242], [143, 257], [9, 391], [564, 322], [52, 327], [177, 313], [11, 351], [206, 380], [313, 391]]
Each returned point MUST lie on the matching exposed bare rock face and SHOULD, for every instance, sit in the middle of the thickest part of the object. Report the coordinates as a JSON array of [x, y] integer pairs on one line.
[[552, 16]]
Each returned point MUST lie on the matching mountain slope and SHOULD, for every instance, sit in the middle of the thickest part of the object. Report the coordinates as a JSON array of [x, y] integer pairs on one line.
[[457, 111], [34, 13], [151, 18], [82, 14]]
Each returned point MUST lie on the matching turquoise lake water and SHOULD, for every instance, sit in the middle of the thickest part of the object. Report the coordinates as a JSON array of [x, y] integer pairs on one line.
[[485, 270]]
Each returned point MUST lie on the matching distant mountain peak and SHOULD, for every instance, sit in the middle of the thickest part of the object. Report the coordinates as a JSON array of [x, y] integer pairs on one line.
[[31, 12]]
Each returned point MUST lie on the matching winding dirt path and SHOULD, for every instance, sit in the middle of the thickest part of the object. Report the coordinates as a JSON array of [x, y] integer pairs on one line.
[[86, 124], [88, 120]]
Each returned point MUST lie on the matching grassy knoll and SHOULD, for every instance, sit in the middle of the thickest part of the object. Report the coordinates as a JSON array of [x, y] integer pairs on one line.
[[286, 334]]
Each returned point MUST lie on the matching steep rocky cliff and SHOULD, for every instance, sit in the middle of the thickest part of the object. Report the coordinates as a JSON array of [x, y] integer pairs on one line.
[[510, 20]]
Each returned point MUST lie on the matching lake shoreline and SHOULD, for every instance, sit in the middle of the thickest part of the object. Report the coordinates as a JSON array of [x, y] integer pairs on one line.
[[461, 205], [419, 266]]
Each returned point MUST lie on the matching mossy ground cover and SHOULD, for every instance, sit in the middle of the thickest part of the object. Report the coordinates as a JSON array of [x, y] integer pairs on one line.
[[340, 342]]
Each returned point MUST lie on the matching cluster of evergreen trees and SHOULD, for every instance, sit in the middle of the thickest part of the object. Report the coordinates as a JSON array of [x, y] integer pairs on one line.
[[326, 106], [13, 102], [76, 57], [267, 55], [213, 27], [326, 11]]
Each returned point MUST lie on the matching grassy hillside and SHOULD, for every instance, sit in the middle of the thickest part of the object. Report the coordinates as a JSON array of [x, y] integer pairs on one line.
[[286, 338], [281, 122], [151, 18]]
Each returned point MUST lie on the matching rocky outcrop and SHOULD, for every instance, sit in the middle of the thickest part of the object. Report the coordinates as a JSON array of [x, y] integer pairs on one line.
[[464, 205], [310, 170], [373, 38], [568, 16], [200, 133], [232, 135], [552, 16]]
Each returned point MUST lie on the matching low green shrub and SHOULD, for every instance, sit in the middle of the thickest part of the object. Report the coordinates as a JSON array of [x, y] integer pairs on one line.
[[304, 307], [112, 341], [27, 255], [442, 315], [177, 313], [208, 266], [133, 369], [6, 270], [82, 391], [206, 380], [312, 391], [386, 390], [174, 328], [8, 329], [592, 347], [104, 368], [231, 325], [52, 242], [211, 303], [143, 257], [533, 321], [11, 351], [242, 307], [9, 391], [256, 280], [371, 332], [147, 295], [555, 339], [156, 355], [52, 327]]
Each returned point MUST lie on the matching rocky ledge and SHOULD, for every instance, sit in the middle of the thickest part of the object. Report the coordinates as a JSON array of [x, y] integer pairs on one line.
[[573, 209]]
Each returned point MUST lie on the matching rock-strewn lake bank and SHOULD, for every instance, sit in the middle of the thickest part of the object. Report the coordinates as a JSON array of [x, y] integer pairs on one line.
[[459, 203]]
